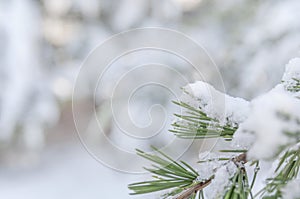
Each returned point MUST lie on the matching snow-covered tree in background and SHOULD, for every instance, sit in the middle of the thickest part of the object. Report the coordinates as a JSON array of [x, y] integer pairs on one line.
[[261, 158], [27, 104], [59, 34]]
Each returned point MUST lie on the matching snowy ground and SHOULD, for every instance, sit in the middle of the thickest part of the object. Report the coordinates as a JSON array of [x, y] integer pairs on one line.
[[65, 172]]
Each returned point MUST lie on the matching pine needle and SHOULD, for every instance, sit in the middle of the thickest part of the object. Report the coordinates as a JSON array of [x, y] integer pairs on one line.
[[167, 174], [197, 125]]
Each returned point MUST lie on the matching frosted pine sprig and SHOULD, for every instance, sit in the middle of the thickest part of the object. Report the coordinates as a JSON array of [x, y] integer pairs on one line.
[[196, 124], [258, 131], [208, 113]]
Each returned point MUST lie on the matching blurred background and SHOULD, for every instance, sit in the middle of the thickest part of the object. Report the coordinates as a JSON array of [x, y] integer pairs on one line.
[[43, 44]]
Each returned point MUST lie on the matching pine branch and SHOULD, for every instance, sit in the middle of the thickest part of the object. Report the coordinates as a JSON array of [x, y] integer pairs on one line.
[[168, 174], [183, 181], [196, 124], [287, 170], [295, 86], [240, 187], [193, 191]]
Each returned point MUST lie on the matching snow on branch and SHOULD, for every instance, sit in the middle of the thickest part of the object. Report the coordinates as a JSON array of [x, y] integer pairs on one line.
[[267, 129], [208, 112], [291, 77], [274, 121]]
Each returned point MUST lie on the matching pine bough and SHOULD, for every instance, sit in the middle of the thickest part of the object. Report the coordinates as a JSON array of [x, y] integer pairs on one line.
[[263, 131]]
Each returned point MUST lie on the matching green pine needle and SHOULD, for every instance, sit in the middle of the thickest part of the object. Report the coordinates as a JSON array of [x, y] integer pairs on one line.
[[287, 170], [196, 124], [294, 87], [240, 187], [233, 151], [167, 174]]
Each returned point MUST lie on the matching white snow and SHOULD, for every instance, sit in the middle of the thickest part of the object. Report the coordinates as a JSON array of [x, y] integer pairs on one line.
[[292, 71], [291, 190], [222, 171], [26, 101], [271, 116], [221, 182], [243, 139], [208, 168], [226, 109], [66, 172]]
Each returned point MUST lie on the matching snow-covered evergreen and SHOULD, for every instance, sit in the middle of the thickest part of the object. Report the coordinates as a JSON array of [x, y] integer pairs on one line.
[[266, 129]]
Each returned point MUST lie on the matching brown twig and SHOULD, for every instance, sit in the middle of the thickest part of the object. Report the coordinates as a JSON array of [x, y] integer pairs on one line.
[[238, 161], [242, 158], [197, 187]]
